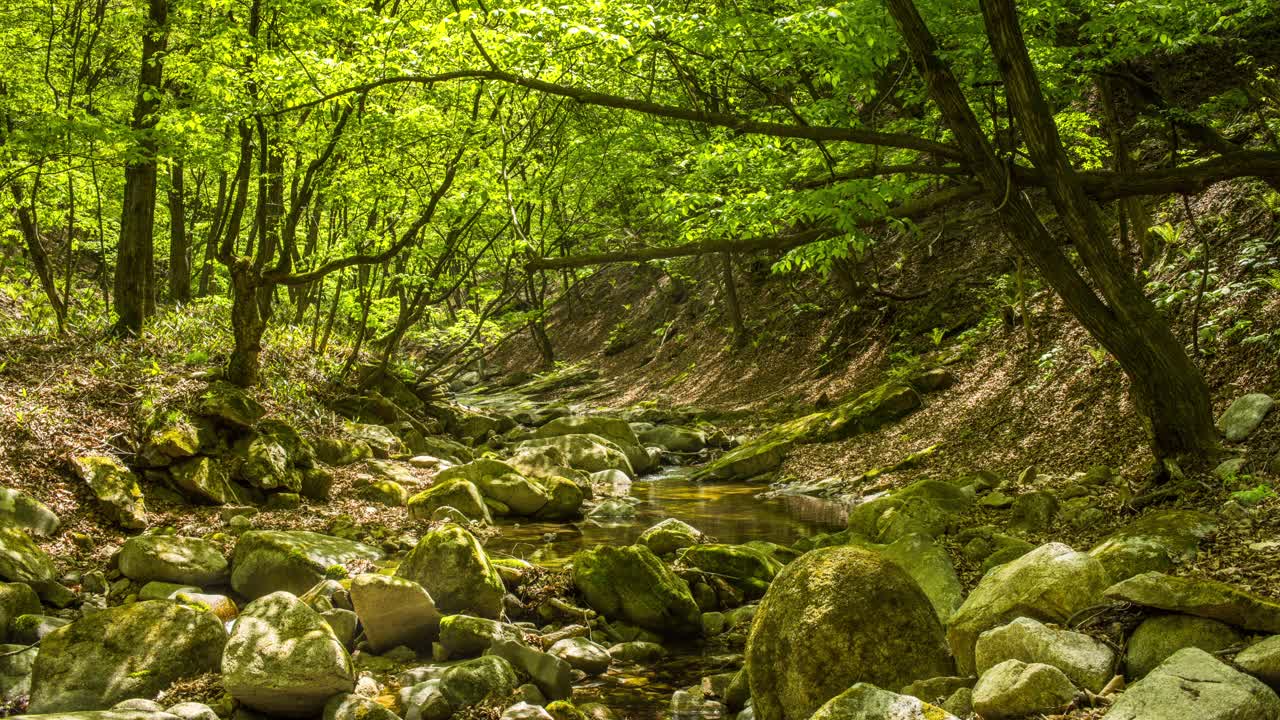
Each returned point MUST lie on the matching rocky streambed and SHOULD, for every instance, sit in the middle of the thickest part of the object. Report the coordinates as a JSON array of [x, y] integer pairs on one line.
[[550, 562]]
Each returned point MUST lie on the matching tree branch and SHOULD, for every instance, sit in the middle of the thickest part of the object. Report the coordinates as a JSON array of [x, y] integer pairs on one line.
[[589, 97]]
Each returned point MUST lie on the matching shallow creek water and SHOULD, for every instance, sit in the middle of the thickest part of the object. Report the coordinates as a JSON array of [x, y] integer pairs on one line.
[[727, 512]]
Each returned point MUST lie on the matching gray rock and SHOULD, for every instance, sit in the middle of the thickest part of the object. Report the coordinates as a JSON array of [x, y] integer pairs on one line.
[[139, 704], [16, 662], [1203, 598], [472, 681], [1089, 663], [1193, 685], [455, 570], [464, 635], [868, 702], [193, 711], [526, 711], [1262, 660], [552, 675], [425, 701], [394, 611], [1158, 638], [1014, 689], [266, 561], [147, 645], [343, 623], [18, 509], [349, 706], [1050, 584], [582, 654], [173, 558], [283, 658], [1244, 415]]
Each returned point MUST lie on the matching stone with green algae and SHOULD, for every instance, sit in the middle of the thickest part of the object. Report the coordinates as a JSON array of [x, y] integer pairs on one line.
[[455, 570], [460, 494], [115, 487], [630, 583]]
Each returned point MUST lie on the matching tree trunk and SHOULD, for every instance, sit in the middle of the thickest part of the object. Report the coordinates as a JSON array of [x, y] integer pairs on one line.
[[179, 245], [247, 324], [731, 301], [1166, 385], [134, 295], [215, 230], [35, 251]]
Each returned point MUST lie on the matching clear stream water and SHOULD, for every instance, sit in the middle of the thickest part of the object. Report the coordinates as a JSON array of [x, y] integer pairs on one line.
[[727, 513]]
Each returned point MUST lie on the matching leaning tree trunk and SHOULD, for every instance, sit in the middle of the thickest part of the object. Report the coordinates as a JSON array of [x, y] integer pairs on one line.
[[135, 260], [1167, 387]]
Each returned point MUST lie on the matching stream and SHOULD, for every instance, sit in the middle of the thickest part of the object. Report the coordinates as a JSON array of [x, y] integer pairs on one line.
[[727, 513]]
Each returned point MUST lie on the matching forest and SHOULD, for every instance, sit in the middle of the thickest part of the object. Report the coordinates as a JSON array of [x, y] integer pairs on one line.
[[740, 360]]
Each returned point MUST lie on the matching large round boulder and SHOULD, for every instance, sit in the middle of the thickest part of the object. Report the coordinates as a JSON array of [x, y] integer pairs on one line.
[[283, 658], [123, 652], [836, 617], [456, 572]]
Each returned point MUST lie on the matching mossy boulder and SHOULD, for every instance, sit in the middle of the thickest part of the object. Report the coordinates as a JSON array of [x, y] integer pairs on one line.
[[868, 702], [672, 438], [16, 600], [379, 438], [589, 453], [265, 561], [930, 566], [206, 480], [499, 481], [123, 652], [174, 559], [18, 509], [836, 617], [231, 405], [1202, 598], [385, 492], [341, 451], [460, 494], [284, 660], [746, 568], [21, 560], [456, 572], [1049, 584], [1159, 637], [1157, 541], [170, 436], [265, 464], [115, 487], [564, 499], [16, 662], [630, 583], [473, 681], [765, 453], [615, 430], [670, 535], [465, 635]]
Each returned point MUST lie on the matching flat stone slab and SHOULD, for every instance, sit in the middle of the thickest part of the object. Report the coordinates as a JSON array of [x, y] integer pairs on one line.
[[1203, 598]]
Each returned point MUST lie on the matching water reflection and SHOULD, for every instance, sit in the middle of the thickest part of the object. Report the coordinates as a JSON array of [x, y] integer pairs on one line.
[[726, 512]]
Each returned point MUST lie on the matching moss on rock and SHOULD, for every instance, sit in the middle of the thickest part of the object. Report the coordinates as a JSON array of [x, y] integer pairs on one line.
[[630, 583]]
